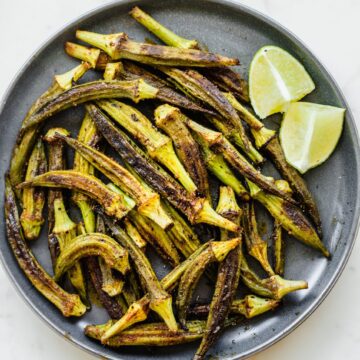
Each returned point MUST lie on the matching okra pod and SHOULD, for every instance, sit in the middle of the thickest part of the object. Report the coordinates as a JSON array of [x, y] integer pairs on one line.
[[118, 46], [181, 234], [224, 77], [110, 304], [201, 88], [291, 218], [160, 300], [227, 278], [169, 119], [56, 161], [90, 245], [135, 90], [249, 306], [166, 93], [274, 287], [279, 248], [148, 202], [221, 144], [158, 145], [217, 165], [192, 275], [113, 204], [33, 200], [89, 135], [225, 287], [68, 304], [134, 234], [157, 237], [26, 141], [196, 209], [255, 245], [139, 310], [297, 183]]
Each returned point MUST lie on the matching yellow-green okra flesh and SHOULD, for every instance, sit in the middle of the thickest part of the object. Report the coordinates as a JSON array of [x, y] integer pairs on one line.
[[33, 200], [25, 142], [118, 46], [68, 304], [158, 145], [279, 248]]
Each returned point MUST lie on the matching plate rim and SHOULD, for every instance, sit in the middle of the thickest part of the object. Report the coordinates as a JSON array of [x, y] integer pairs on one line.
[[300, 44]]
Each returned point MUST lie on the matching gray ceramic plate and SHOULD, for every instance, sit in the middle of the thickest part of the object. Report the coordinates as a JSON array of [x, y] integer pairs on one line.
[[237, 31]]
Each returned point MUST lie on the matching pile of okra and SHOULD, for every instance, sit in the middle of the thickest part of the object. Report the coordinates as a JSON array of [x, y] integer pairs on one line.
[[158, 195]]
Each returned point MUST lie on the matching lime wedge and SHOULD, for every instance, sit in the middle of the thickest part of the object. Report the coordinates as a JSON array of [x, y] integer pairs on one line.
[[309, 133], [276, 78]]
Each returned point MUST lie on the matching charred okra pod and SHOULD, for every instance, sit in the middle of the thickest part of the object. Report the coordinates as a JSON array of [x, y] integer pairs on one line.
[[291, 218], [157, 237], [90, 245], [169, 119], [221, 144], [273, 148], [135, 90], [118, 46], [192, 82], [90, 136], [227, 278], [154, 334], [148, 202], [127, 70], [68, 304], [33, 200], [255, 245], [158, 145], [216, 251], [274, 287], [139, 310], [249, 306], [134, 234], [217, 165], [24, 143], [181, 234], [160, 300], [113, 204], [224, 77], [56, 161], [197, 210], [279, 248]]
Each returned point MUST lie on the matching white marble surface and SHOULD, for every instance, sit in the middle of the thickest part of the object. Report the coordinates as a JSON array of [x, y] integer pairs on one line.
[[331, 29]]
